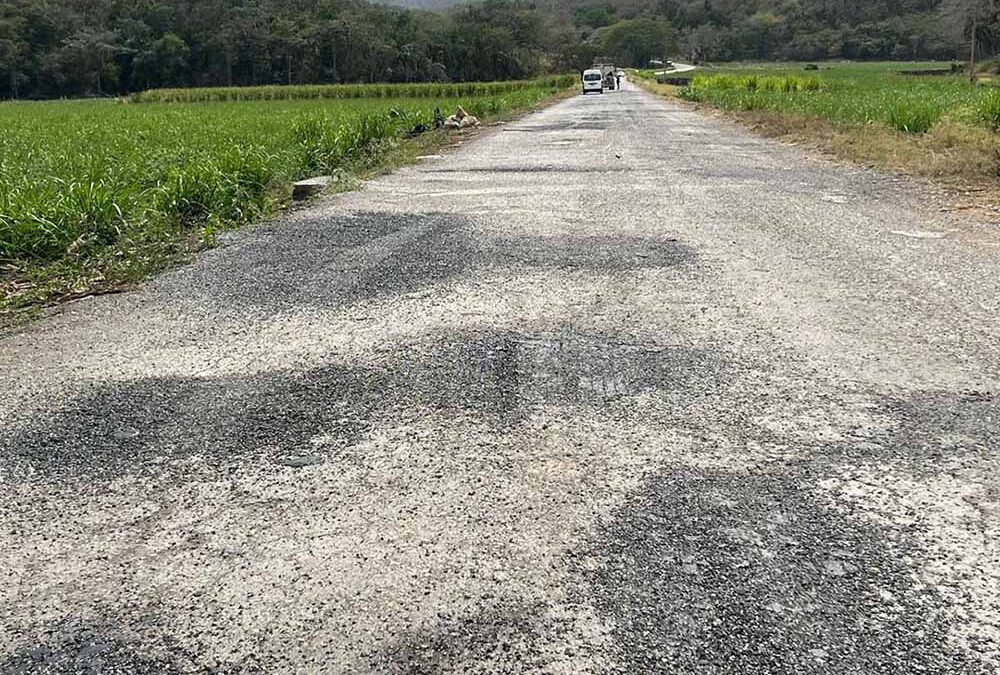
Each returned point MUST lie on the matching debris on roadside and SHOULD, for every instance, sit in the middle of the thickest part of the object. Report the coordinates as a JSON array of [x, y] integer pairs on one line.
[[302, 462], [310, 187], [461, 120]]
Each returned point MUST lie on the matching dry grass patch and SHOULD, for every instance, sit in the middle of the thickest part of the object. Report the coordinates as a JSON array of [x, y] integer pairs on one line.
[[950, 152]]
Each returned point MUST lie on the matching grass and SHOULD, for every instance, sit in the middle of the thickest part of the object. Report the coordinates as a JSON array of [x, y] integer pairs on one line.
[[938, 126], [868, 93], [350, 91], [784, 84], [988, 110], [96, 194]]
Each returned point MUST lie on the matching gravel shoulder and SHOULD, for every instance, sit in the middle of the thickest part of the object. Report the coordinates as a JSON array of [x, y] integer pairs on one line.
[[614, 388]]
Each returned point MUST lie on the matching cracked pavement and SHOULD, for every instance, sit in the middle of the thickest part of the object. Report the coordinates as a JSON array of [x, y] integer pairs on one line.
[[615, 388]]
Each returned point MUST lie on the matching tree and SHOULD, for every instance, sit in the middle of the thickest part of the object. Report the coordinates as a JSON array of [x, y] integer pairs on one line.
[[83, 64], [290, 39], [761, 35], [92, 47], [637, 41], [705, 43], [977, 21], [594, 16], [164, 64], [575, 56], [13, 49], [495, 40]]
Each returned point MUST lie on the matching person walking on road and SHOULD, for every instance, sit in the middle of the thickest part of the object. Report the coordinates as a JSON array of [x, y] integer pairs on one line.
[[618, 80]]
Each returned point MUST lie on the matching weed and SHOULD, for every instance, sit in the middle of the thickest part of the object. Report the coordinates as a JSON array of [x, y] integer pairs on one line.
[[988, 109], [913, 117]]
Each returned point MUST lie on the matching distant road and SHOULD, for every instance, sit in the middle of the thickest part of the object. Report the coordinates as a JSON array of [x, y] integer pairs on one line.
[[678, 68], [616, 388]]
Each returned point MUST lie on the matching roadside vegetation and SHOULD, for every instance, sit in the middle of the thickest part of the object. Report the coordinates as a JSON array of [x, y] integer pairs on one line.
[[69, 48], [935, 125], [94, 194], [437, 90], [847, 93]]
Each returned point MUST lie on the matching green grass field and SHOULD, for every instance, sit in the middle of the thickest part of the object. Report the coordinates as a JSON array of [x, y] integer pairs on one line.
[[851, 94], [348, 91], [116, 186]]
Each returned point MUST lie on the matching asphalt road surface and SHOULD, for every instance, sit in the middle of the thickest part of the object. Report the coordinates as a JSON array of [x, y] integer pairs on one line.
[[616, 388]]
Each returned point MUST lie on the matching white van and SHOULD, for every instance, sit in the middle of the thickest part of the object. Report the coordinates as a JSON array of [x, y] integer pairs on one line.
[[593, 80]]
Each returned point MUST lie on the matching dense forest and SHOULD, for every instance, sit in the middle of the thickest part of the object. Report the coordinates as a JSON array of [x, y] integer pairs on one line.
[[52, 48]]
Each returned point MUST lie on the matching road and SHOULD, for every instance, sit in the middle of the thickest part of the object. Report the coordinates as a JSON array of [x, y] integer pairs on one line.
[[615, 388], [677, 69]]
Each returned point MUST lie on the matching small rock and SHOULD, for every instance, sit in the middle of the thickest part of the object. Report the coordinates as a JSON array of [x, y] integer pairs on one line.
[[835, 568], [305, 460], [310, 187], [920, 234]]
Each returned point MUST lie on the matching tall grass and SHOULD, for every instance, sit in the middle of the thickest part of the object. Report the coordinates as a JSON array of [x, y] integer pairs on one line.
[[913, 117], [988, 109], [80, 176], [351, 91], [787, 84], [851, 94]]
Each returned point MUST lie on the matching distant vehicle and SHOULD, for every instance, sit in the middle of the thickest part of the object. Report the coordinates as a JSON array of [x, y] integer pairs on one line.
[[593, 80], [607, 68]]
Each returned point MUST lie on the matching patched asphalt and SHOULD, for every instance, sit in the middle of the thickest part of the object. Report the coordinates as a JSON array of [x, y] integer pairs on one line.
[[615, 388]]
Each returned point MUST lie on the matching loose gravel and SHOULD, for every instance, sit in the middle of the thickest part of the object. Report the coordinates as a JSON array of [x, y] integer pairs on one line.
[[616, 388]]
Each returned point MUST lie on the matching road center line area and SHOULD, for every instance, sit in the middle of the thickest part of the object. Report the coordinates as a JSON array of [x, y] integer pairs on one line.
[[613, 388]]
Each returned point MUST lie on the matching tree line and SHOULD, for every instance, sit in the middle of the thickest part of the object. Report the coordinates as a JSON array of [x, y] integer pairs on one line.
[[51, 48], [793, 30], [55, 48]]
